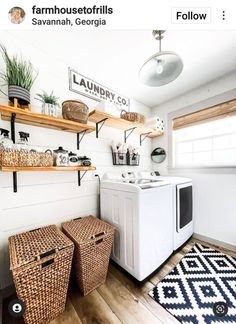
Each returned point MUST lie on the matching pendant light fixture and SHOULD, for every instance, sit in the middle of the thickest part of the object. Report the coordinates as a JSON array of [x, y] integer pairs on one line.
[[162, 67]]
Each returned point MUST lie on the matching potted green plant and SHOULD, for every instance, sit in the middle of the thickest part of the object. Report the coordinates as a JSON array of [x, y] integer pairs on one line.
[[49, 103], [19, 76]]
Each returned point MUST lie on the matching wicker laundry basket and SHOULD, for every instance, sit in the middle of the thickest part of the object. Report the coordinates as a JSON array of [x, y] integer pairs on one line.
[[41, 263], [93, 240]]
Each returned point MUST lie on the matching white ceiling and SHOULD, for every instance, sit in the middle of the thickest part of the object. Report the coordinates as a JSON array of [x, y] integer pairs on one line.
[[114, 58]]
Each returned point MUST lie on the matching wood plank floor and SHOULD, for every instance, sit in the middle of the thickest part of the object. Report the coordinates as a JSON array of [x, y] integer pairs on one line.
[[119, 300]]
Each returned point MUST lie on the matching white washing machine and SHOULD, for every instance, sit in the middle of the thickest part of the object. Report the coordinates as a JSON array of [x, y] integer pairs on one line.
[[182, 206], [142, 212]]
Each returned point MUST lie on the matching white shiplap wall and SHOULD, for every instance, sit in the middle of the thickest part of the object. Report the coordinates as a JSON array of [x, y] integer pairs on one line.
[[51, 198]]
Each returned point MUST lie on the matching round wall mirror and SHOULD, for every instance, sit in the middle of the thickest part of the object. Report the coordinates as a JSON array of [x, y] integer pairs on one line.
[[158, 155]]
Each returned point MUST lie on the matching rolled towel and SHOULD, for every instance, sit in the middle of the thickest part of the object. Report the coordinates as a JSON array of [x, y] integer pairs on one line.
[[154, 119], [159, 128], [155, 126], [155, 123]]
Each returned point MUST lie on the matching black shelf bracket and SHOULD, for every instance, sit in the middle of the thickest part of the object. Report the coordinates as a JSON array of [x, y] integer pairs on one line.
[[14, 182], [143, 137], [80, 136], [99, 125], [128, 132], [80, 177], [13, 132], [13, 137]]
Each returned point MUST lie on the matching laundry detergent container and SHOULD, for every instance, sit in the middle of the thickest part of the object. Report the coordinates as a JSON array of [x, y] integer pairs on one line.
[[40, 261], [93, 240]]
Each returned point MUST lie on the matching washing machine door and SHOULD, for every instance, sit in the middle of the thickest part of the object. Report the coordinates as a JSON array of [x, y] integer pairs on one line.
[[184, 206]]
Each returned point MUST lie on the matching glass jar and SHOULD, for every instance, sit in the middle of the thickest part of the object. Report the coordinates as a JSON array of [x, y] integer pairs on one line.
[[49, 109], [53, 110]]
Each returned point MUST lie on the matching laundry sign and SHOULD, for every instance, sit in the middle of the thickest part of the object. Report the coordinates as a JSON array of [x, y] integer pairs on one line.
[[87, 87]]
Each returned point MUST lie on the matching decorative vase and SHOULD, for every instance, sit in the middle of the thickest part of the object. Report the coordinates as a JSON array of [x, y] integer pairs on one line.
[[19, 93], [49, 109]]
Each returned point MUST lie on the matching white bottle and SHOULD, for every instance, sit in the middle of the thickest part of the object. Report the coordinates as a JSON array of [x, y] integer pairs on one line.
[[6, 144], [5, 141], [22, 143]]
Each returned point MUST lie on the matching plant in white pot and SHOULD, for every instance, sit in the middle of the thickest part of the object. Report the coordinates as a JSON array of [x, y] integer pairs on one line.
[[49, 103], [19, 75]]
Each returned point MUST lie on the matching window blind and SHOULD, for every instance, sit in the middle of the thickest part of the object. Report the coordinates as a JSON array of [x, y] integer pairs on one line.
[[218, 111]]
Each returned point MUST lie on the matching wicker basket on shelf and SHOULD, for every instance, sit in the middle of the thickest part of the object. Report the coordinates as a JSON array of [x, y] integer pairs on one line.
[[132, 117], [46, 160], [40, 261], [93, 240], [13, 158], [75, 110], [10, 158]]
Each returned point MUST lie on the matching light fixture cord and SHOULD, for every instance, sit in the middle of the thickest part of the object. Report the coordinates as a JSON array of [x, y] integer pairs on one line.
[[159, 41]]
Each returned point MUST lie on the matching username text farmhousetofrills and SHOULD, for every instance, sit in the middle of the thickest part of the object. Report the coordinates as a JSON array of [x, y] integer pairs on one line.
[[74, 12]]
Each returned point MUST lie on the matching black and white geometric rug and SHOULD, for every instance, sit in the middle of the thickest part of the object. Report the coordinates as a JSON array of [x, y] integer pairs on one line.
[[201, 288]]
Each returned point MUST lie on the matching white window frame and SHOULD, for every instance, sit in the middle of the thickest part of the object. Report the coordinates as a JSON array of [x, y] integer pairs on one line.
[[211, 138], [230, 95]]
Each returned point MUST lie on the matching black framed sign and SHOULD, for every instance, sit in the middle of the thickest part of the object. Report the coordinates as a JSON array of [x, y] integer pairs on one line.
[[89, 88]]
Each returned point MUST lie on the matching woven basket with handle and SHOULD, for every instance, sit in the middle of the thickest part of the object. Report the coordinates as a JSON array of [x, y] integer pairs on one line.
[[132, 116], [93, 240], [40, 261]]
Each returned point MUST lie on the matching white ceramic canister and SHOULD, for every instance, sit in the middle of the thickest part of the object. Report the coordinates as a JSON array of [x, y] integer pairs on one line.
[[73, 159], [60, 157]]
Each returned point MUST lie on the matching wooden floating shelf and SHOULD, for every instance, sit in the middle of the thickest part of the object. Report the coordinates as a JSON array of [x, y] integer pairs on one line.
[[96, 116], [40, 120], [45, 169], [112, 121], [154, 134]]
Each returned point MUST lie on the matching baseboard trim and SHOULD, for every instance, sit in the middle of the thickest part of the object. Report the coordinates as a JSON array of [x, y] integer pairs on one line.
[[215, 242]]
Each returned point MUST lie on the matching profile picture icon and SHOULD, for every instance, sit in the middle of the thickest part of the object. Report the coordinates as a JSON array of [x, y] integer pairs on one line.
[[16, 15], [16, 308]]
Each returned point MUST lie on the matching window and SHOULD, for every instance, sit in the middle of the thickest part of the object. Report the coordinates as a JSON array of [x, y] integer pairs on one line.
[[207, 143]]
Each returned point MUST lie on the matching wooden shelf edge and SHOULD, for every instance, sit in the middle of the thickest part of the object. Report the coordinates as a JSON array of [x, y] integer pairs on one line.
[[40, 120], [97, 115], [46, 169], [117, 122], [153, 134]]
